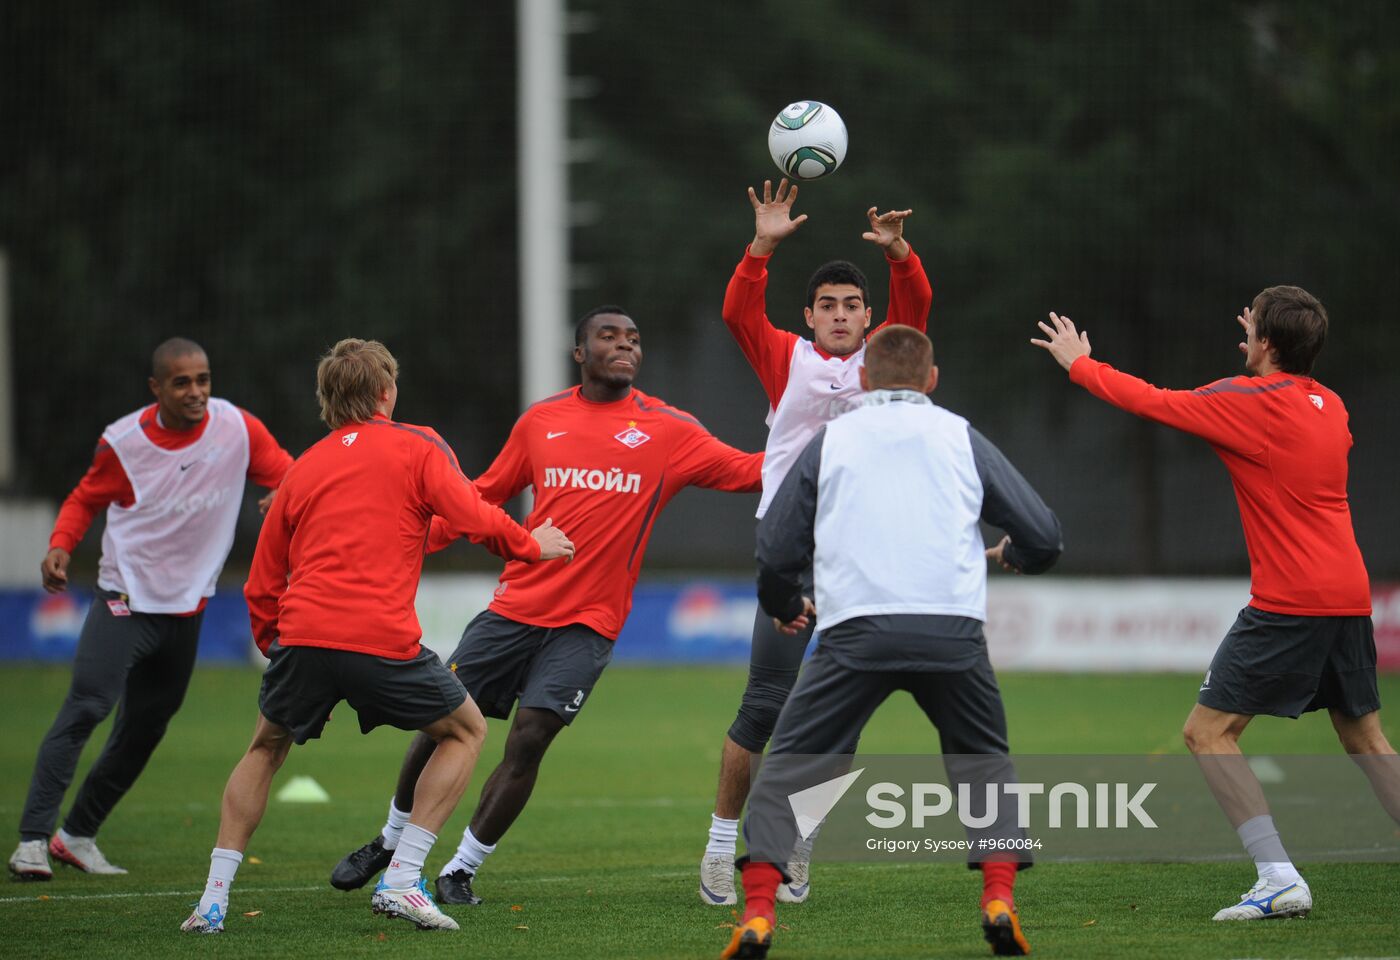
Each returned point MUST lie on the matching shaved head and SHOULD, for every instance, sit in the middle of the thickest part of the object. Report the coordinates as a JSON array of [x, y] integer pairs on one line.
[[170, 350]]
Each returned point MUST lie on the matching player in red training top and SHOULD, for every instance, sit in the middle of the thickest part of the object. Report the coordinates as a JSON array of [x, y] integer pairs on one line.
[[1305, 640], [808, 383], [330, 594], [604, 460], [171, 478]]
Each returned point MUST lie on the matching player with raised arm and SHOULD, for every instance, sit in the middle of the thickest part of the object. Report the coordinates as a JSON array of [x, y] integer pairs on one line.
[[170, 477], [331, 593], [1305, 640], [604, 459], [807, 382]]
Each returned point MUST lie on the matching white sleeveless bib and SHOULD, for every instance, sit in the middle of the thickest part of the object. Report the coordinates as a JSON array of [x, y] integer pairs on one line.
[[165, 551], [818, 391]]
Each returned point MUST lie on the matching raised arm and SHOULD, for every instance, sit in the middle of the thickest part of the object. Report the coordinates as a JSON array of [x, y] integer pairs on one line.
[[910, 293], [1218, 413], [767, 349]]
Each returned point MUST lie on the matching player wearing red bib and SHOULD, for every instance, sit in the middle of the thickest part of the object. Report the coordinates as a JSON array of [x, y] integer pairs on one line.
[[1305, 640], [604, 459]]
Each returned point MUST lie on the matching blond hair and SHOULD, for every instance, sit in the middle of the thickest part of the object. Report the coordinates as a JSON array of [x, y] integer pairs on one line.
[[898, 356], [351, 378]]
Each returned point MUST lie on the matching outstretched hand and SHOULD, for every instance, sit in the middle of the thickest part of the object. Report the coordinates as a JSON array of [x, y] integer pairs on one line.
[[800, 622], [887, 231], [1246, 322], [1065, 343], [772, 216], [554, 543]]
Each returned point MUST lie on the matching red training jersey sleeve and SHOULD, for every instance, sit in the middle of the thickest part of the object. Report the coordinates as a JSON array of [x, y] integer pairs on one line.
[[341, 550], [767, 349], [603, 472], [1284, 438], [911, 295]]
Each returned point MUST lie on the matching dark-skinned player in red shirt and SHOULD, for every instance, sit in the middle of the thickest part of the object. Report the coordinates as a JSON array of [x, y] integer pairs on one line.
[[604, 459], [1305, 640]]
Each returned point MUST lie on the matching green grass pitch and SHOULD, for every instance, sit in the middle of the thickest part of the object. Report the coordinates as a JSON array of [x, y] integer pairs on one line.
[[602, 863]]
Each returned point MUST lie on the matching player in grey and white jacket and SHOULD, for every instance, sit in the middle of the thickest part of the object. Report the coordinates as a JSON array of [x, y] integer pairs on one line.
[[901, 588]]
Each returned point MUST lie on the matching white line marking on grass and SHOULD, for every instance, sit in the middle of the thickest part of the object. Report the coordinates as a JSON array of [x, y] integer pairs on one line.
[[246, 891], [46, 898]]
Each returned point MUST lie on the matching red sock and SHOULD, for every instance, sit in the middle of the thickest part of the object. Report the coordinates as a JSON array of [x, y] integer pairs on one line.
[[998, 877], [760, 890]]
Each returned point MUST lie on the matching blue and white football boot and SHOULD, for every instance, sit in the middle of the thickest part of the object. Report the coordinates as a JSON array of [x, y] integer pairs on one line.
[[1269, 900], [211, 921]]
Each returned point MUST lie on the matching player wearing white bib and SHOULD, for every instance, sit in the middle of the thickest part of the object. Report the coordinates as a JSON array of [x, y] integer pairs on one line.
[[808, 383], [170, 477]]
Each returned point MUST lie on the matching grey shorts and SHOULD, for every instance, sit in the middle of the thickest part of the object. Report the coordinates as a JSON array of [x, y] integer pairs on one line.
[[501, 661], [1282, 665], [303, 684]]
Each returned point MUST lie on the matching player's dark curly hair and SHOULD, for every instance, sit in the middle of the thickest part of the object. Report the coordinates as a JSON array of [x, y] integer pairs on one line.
[[581, 328], [837, 272], [1294, 323]]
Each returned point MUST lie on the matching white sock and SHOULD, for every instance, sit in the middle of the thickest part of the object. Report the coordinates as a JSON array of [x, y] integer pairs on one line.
[[393, 827], [223, 864], [470, 855], [406, 867], [724, 835], [1260, 838]]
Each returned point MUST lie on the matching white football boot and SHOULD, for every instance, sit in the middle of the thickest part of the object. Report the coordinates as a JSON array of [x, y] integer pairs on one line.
[[211, 921], [30, 861], [414, 904], [717, 881], [1268, 900], [799, 884], [81, 852]]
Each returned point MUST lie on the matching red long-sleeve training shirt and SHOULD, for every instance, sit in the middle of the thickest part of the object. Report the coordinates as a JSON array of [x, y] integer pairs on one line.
[[341, 550], [603, 472], [1284, 438], [769, 349]]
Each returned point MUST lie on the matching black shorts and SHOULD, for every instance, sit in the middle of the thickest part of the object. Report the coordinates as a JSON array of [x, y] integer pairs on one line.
[[303, 684], [1283, 665], [501, 661]]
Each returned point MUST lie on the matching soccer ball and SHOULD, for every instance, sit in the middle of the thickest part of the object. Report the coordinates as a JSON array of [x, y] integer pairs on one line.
[[807, 140]]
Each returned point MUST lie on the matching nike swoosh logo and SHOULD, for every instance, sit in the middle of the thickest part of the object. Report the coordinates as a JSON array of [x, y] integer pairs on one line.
[[185, 466], [836, 386], [571, 709], [551, 434], [716, 897]]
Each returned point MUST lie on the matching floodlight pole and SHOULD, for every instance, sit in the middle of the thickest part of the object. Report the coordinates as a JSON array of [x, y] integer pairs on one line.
[[544, 198], [7, 387]]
